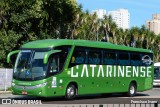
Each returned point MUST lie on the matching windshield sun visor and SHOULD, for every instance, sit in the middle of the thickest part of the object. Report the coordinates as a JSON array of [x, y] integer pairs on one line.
[[46, 56]]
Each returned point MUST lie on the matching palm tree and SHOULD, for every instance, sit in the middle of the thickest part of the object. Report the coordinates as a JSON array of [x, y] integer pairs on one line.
[[110, 28], [156, 49], [93, 27], [113, 29], [135, 35], [76, 22], [105, 22], [120, 36]]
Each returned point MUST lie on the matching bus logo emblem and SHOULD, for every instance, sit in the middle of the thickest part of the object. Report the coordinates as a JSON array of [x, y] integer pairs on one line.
[[147, 59]]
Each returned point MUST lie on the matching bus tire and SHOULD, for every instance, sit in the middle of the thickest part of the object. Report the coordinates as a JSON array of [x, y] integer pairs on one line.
[[131, 90], [70, 92]]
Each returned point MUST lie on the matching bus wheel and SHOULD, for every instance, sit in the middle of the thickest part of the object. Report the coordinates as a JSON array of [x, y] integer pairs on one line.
[[70, 92], [131, 90]]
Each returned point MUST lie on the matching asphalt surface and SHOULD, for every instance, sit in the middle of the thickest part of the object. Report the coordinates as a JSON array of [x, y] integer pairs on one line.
[[151, 95]]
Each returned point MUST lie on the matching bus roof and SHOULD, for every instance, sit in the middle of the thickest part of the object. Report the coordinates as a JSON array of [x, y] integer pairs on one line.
[[50, 43]]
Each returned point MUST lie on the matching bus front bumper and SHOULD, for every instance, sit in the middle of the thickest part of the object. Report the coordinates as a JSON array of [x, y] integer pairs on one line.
[[156, 83], [36, 91]]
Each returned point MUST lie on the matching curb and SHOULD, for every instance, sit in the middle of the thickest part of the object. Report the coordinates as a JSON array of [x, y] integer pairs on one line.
[[5, 92]]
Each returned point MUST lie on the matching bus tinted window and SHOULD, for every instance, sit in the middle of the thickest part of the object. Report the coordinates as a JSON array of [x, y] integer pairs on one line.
[[65, 50], [78, 57], [109, 58], [157, 73], [63, 55], [123, 58], [135, 59], [94, 56]]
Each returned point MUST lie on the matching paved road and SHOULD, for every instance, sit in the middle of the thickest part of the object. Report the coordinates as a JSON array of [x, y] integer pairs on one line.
[[152, 95]]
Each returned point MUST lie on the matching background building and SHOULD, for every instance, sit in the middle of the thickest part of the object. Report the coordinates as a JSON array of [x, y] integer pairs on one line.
[[100, 13], [156, 16], [121, 18], [154, 24]]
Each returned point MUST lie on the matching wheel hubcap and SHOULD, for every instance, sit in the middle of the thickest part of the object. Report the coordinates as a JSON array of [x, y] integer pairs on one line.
[[70, 92], [132, 90]]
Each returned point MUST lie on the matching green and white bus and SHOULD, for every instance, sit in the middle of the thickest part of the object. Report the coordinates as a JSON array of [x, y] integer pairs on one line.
[[60, 67]]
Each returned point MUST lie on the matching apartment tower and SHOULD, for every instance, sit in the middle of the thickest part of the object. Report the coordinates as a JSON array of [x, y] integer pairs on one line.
[[100, 13], [154, 24], [121, 18]]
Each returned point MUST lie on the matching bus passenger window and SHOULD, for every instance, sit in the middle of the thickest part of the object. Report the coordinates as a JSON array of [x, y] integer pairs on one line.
[[94, 57], [123, 58], [135, 59], [109, 58], [78, 57]]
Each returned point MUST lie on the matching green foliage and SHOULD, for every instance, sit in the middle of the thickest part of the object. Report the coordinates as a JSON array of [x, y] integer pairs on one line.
[[8, 42], [22, 21]]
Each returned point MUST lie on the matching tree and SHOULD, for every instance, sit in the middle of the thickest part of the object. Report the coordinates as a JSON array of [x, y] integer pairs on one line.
[[156, 49], [32, 20], [135, 34]]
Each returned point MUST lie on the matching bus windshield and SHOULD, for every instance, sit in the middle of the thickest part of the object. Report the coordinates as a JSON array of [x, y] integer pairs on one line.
[[157, 73], [29, 65]]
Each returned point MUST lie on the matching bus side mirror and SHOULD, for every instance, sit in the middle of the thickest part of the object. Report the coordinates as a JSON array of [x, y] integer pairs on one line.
[[11, 56], [46, 56]]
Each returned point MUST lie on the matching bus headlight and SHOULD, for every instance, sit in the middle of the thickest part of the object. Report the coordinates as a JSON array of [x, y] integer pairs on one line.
[[41, 85]]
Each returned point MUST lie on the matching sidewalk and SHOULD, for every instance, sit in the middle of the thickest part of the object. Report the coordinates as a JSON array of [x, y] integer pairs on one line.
[[5, 92], [8, 94]]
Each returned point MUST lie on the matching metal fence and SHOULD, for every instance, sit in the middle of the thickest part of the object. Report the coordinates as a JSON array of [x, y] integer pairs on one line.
[[5, 78]]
